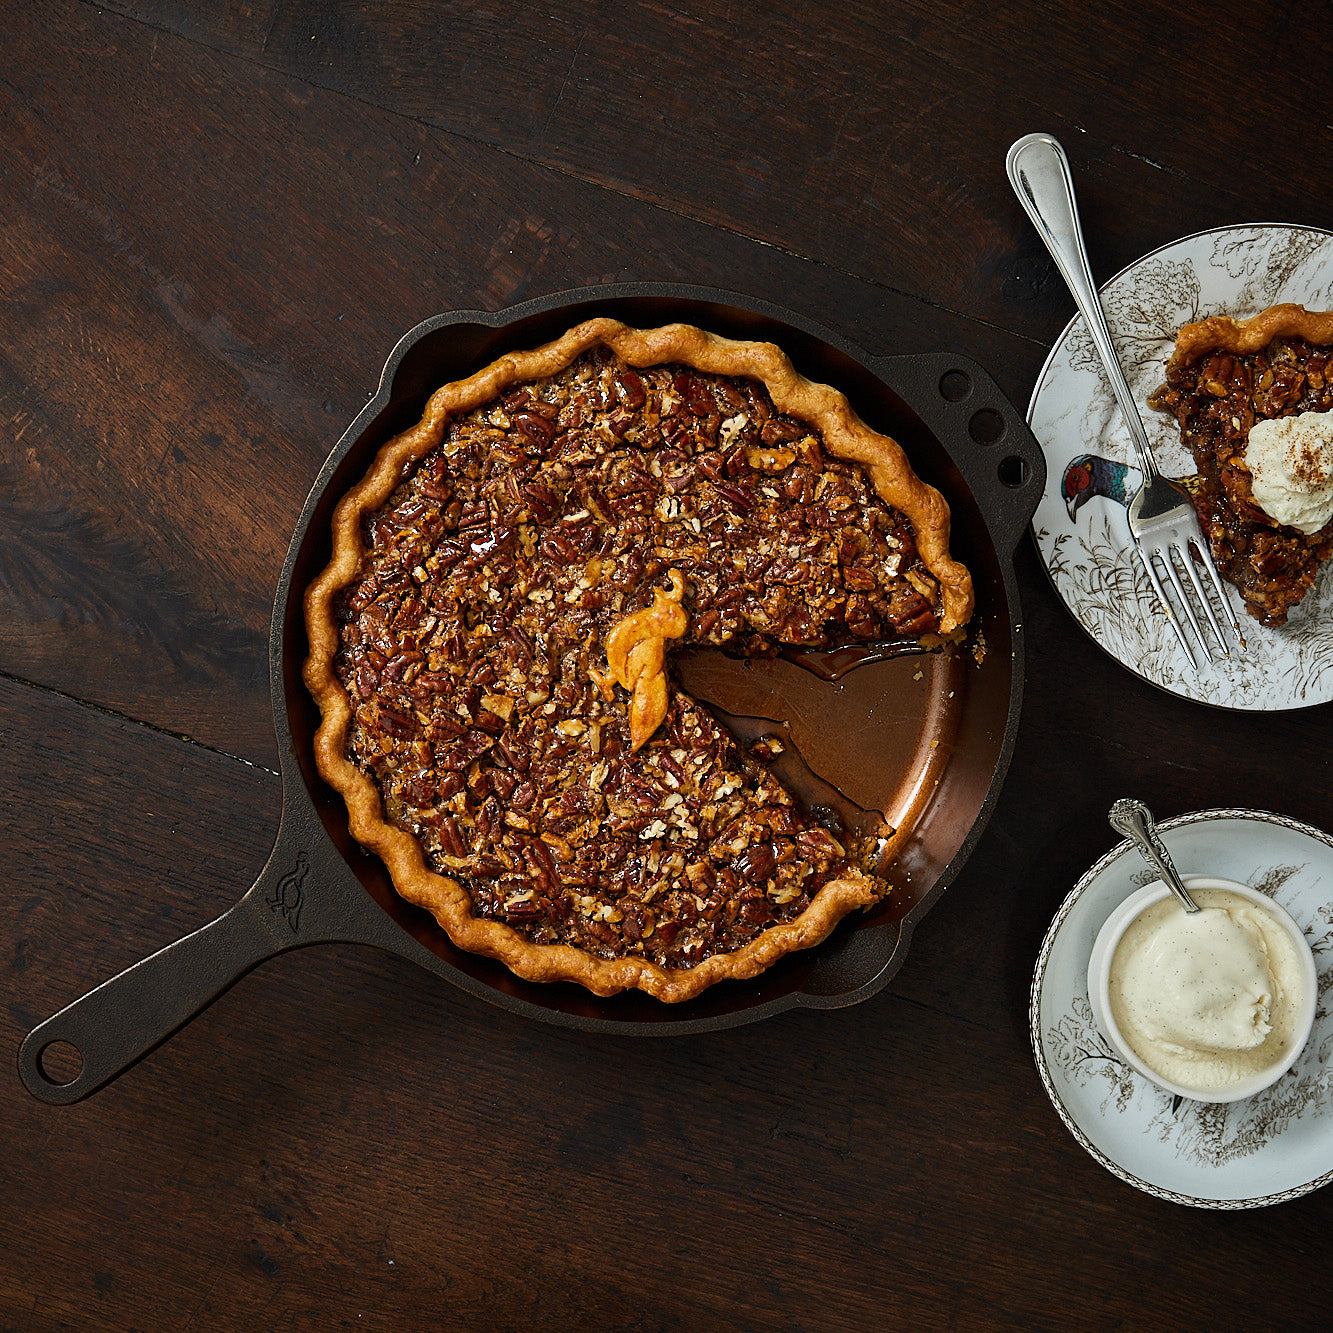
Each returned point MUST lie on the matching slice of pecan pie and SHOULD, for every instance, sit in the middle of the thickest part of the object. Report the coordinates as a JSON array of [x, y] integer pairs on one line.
[[1223, 380], [490, 650]]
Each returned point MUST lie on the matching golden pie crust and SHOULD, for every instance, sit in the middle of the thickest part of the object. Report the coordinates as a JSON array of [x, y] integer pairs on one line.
[[1222, 333], [632, 658]]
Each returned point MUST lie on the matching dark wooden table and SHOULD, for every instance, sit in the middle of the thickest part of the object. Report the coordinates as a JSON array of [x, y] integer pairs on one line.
[[215, 221]]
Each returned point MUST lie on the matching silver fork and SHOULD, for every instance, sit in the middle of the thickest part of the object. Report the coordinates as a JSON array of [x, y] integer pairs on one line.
[[1162, 519]]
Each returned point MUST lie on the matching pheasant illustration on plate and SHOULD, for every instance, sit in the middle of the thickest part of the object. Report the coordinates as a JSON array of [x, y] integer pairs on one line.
[[1090, 474]]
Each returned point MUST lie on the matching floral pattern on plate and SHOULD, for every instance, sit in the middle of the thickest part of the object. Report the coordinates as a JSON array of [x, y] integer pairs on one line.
[[1080, 524], [1267, 1148]]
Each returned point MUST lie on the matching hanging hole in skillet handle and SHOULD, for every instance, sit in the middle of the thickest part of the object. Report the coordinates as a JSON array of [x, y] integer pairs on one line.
[[59, 1063], [1013, 472], [986, 426], [955, 385]]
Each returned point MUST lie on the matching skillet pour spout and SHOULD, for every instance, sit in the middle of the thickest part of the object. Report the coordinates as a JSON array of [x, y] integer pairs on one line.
[[948, 720]]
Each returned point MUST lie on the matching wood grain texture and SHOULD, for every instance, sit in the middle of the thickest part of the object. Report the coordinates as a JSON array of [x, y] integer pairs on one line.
[[215, 222], [869, 139]]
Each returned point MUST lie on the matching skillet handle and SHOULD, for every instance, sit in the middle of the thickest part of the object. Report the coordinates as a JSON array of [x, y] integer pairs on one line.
[[986, 436], [133, 1013]]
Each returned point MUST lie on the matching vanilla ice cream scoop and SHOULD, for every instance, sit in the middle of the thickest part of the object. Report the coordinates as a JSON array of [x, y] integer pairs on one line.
[[1290, 460], [1213, 1004], [1201, 983]]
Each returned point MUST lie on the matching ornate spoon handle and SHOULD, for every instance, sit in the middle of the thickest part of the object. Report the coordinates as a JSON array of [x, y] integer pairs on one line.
[[1134, 820]]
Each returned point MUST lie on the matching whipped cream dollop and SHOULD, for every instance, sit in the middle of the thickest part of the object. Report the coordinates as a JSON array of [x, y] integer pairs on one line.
[[1291, 469], [1206, 998]]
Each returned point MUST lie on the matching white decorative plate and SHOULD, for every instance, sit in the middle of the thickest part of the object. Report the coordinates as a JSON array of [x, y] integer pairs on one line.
[[1262, 1150], [1083, 534]]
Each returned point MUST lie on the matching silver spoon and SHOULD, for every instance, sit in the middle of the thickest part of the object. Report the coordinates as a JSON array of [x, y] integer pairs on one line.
[[1135, 821]]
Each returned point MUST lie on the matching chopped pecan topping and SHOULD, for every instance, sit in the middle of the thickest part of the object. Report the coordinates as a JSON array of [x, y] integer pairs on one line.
[[1216, 397], [603, 809]]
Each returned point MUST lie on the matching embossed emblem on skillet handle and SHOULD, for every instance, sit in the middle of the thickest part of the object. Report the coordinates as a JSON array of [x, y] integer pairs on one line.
[[300, 897]]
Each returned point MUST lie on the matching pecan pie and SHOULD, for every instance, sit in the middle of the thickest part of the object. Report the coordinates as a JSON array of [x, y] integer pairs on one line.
[[490, 650], [1224, 378]]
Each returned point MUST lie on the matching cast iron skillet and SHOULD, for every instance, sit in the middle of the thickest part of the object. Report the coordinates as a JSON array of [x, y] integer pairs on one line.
[[948, 719]]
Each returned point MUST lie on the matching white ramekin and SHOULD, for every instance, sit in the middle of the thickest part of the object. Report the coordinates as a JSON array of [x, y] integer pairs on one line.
[[1099, 974]]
